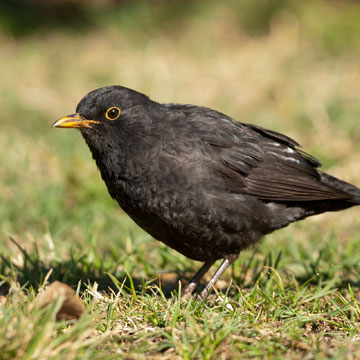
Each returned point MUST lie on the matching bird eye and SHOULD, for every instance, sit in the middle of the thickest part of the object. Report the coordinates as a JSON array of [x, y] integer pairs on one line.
[[112, 113]]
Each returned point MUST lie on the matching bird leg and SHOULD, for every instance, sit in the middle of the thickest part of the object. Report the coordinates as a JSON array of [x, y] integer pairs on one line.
[[190, 287], [218, 273]]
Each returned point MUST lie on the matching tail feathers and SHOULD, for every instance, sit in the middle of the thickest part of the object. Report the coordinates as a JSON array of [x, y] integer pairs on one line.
[[346, 188]]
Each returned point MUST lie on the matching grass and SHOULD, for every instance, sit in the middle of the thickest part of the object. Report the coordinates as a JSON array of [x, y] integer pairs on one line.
[[294, 296]]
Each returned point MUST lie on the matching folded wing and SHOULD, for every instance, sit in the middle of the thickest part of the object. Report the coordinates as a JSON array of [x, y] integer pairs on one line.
[[263, 163]]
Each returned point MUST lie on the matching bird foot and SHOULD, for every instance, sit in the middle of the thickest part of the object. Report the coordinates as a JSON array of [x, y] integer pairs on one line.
[[188, 289]]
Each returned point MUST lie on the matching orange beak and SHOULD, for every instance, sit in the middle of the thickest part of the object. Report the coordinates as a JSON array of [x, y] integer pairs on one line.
[[74, 121]]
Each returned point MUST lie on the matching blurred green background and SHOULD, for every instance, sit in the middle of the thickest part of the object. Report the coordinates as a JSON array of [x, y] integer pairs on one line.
[[292, 66]]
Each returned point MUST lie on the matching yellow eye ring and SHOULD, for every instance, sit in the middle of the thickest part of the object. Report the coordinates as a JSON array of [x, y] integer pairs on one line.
[[112, 113]]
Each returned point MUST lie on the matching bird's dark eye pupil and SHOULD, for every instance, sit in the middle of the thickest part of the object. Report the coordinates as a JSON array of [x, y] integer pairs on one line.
[[112, 113]]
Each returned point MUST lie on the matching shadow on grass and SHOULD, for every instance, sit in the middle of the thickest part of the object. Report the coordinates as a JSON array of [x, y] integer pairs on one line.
[[33, 271]]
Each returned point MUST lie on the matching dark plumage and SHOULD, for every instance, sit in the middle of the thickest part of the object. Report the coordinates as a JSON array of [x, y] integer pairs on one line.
[[197, 180]]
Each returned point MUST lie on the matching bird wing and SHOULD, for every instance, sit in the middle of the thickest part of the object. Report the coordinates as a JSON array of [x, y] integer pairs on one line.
[[266, 164]]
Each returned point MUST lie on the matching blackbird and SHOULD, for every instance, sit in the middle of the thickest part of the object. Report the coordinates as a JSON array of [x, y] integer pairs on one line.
[[199, 181]]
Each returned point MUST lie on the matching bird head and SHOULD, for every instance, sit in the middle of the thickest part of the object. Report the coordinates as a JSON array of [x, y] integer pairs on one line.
[[104, 108]]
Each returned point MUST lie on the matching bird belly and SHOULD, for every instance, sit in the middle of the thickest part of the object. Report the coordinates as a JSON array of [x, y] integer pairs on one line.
[[201, 227]]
